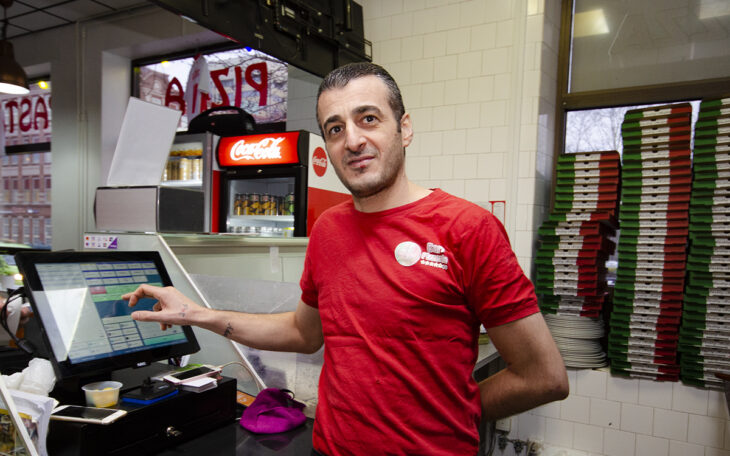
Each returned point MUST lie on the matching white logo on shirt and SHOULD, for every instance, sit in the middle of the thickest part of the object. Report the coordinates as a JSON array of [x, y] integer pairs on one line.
[[409, 253]]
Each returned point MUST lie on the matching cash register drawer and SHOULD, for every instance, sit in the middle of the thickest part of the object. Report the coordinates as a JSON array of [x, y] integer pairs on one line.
[[150, 428]]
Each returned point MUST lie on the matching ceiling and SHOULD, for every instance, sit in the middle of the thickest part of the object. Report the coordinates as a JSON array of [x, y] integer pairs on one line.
[[31, 16]]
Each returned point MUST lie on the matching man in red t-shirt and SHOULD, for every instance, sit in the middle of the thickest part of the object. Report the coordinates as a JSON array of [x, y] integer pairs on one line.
[[396, 283]]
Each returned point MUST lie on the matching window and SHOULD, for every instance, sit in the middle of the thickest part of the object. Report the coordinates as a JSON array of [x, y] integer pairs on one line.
[[245, 78], [26, 169], [620, 56]]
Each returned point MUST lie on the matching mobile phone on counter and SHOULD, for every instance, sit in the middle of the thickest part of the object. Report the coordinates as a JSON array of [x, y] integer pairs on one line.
[[82, 414], [191, 374]]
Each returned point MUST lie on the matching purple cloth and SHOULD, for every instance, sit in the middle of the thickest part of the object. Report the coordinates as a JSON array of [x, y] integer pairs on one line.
[[274, 410]]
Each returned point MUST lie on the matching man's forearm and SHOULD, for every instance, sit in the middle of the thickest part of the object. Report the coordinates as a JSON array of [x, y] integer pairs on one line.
[[274, 332], [506, 393]]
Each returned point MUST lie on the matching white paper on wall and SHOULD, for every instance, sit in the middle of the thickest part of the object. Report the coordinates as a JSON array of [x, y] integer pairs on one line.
[[147, 133]]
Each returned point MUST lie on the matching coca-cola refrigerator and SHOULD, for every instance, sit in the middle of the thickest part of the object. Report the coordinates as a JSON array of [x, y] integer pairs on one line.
[[272, 185]]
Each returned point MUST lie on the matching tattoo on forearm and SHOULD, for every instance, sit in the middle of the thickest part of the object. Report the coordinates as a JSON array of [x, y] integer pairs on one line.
[[182, 313], [228, 331]]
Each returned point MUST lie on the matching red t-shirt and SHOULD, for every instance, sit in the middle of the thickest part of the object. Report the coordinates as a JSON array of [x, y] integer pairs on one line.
[[401, 294]]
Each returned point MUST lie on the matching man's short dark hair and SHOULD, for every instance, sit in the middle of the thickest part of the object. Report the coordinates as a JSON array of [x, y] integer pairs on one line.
[[340, 77]]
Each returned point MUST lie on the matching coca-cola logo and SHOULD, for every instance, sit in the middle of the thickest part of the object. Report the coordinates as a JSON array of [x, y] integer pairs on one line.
[[267, 148], [319, 161]]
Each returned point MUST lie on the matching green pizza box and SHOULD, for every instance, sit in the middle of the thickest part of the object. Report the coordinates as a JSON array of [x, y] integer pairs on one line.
[[657, 164], [601, 179], [637, 172], [630, 251], [703, 252], [714, 175], [710, 241], [602, 197], [713, 112], [652, 198], [660, 377], [636, 156], [714, 104], [586, 165], [706, 383], [587, 173], [720, 130], [710, 181], [644, 230], [700, 167], [655, 180], [635, 192], [629, 239], [640, 124], [648, 143], [711, 201], [677, 209], [663, 111], [710, 191], [669, 370], [604, 156], [711, 141], [712, 123], [589, 216], [655, 222], [610, 188], [711, 150], [595, 206], [667, 130]]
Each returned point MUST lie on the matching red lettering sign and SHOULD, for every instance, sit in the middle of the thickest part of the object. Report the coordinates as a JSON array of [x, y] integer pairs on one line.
[[255, 75], [261, 86], [254, 150], [28, 118], [175, 94]]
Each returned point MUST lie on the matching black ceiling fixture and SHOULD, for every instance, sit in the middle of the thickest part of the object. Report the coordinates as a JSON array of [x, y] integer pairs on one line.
[[13, 79], [314, 35]]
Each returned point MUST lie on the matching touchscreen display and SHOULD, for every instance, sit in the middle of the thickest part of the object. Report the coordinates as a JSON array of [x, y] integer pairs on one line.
[[91, 319]]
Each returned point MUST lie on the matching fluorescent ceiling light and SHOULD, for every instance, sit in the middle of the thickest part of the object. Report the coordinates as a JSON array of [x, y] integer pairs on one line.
[[589, 23], [714, 8]]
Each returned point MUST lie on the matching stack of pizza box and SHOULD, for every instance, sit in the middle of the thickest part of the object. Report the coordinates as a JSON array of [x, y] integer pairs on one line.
[[575, 243], [654, 219], [704, 341]]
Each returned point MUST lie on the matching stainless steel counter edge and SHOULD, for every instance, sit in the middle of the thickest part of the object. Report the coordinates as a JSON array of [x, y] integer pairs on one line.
[[231, 240]]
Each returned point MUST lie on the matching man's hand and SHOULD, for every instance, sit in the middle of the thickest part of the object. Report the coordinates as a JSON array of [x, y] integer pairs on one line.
[[171, 308]]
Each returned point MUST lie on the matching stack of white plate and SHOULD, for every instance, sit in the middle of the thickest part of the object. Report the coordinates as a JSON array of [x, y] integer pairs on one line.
[[578, 339]]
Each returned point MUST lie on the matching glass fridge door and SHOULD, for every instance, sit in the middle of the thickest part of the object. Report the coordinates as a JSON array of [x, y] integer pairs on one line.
[[261, 206]]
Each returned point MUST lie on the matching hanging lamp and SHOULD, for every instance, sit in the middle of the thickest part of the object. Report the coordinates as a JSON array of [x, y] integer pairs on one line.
[[13, 79]]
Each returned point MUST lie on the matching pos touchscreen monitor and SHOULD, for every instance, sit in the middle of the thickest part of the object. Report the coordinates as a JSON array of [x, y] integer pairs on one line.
[[86, 325]]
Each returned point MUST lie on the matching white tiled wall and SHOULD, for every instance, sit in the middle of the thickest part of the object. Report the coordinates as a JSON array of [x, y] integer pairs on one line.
[[472, 78], [614, 416], [479, 79]]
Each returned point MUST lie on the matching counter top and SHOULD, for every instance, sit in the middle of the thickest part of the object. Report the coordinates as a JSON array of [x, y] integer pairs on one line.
[[230, 240], [232, 439]]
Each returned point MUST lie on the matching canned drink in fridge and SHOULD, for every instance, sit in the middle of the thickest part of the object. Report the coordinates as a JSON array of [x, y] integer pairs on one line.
[[237, 205], [255, 199], [197, 168], [265, 207], [272, 205], [184, 164], [289, 203], [246, 204]]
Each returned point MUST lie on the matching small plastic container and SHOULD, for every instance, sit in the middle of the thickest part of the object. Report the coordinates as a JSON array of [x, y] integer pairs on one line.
[[102, 394]]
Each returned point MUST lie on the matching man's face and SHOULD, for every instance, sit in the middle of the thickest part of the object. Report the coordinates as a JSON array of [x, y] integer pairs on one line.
[[362, 136]]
